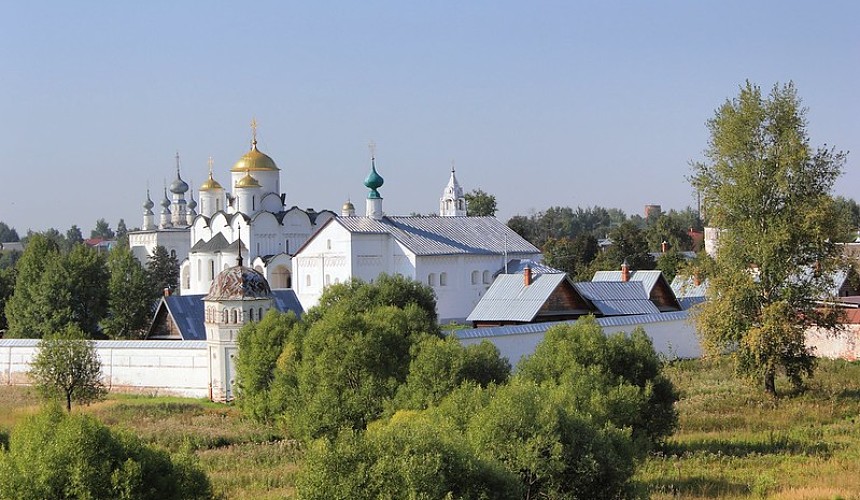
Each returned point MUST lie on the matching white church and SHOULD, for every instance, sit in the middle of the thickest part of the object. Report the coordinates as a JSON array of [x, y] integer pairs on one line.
[[304, 250]]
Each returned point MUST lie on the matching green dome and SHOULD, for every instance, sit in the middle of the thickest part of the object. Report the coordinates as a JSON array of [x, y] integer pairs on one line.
[[373, 181]]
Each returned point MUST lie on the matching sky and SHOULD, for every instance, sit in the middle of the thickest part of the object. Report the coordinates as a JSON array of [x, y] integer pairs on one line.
[[539, 103]]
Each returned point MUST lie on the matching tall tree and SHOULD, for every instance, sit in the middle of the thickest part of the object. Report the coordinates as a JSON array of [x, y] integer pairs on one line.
[[480, 203], [769, 191], [163, 270], [102, 230], [7, 288], [628, 244], [670, 229], [24, 319], [7, 234], [130, 295], [74, 236]]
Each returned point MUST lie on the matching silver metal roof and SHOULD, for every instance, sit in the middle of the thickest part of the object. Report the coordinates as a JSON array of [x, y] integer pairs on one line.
[[614, 298], [647, 278], [436, 235], [508, 299], [119, 344], [686, 287], [533, 328]]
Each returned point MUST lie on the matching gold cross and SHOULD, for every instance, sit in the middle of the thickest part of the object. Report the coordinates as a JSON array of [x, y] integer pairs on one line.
[[210, 162], [254, 129]]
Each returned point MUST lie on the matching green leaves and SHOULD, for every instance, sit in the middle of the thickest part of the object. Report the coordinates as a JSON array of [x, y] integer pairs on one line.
[[67, 367]]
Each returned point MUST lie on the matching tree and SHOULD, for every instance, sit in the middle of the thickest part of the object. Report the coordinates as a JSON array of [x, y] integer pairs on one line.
[[7, 234], [102, 230], [163, 270], [67, 366], [628, 244], [57, 455], [130, 295], [74, 236], [670, 263], [769, 191], [438, 366], [121, 229], [7, 288], [22, 314], [571, 256], [670, 229], [480, 204], [850, 212]]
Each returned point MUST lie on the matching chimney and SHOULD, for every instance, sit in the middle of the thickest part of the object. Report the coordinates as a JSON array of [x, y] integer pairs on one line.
[[625, 271], [664, 246], [696, 280], [167, 291], [527, 276]]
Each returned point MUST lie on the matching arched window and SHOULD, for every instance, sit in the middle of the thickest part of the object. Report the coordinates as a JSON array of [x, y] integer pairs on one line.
[[186, 278], [327, 279], [431, 279], [475, 277], [173, 253], [260, 313], [328, 244], [486, 277], [251, 314], [211, 269], [199, 269], [235, 316], [225, 316], [443, 279], [308, 280]]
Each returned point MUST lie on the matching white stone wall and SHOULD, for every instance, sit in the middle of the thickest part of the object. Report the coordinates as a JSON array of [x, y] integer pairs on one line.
[[839, 344], [674, 338], [178, 368]]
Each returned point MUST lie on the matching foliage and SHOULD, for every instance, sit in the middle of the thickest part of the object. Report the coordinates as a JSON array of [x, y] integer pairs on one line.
[[438, 366], [73, 289], [74, 236], [7, 234], [52, 455], [348, 366], [163, 270], [671, 230], [102, 230], [571, 255], [405, 457], [8, 259], [260, 346], [556, 451], [480, 203], [130, 295], [22, 314], [849, 211], [628, 244], [768, 191], [619, 375], [359, 296], [670, 263], [67, 367], [7, 288]]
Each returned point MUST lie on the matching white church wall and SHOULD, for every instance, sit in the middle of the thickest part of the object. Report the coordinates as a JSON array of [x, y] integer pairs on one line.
[[450, 276], [152, 367], [328, 253]]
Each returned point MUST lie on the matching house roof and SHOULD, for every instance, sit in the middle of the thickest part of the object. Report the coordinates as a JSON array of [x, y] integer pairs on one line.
[[436, 235], [617, 298], [647, 278], [509, 299], [517, 266], [686, 287], [188, 313]]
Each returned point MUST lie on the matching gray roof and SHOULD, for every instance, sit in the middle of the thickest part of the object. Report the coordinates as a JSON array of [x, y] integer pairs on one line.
[[647, 278], [531, 328], [117, 344], [188, 314], [217, 243], [617, 298], [508, 299], [518, 266], [445, 235], [686, 287]]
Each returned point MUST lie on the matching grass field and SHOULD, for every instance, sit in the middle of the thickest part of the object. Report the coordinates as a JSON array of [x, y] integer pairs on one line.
[[733, 441]]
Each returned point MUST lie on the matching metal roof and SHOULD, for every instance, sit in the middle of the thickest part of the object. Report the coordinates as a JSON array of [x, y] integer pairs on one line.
[[647, 278], [686, 287], [434, 235], [508, 299], [688, 302], [117, 344], [533, 328], [188, 313], [515, 266], [614, 298]]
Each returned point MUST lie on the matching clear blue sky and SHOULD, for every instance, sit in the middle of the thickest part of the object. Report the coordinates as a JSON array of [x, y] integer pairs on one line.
[[539, 103]]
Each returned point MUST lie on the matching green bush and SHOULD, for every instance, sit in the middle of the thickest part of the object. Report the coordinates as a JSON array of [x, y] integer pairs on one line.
[[54, 455]]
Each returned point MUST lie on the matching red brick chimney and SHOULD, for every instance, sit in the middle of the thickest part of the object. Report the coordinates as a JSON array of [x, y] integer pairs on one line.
[[625, 271], [696, 280], [166, 292], [527, 276], [664, 246]]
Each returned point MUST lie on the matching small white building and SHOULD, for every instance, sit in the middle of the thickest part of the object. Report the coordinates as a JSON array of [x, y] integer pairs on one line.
[[455, 255]]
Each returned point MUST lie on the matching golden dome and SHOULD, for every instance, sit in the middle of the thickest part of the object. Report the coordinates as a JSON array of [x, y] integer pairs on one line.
[[254, 160], [348, 207], [248, 181], [210, 184]]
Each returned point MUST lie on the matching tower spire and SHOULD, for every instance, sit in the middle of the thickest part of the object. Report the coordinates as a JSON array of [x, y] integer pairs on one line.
[[254, 132], [239, 260]]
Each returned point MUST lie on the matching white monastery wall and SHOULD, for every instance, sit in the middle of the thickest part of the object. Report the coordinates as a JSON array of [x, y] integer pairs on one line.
[[841, 344], [154, 367]]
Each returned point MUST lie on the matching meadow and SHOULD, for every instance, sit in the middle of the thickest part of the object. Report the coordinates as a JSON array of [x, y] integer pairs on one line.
[[734, 442]]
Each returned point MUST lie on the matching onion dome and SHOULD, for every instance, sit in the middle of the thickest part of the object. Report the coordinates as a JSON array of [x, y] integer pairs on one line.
[[239, 283], [148, 204], [255, 161], [192, 204], [248, 181], [166, 201], [210, 184], [373, 181], [347, 207], [178, 186]]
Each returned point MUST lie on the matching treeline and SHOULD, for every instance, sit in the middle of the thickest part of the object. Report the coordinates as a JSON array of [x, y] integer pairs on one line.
[[389, 408], [105, 294]]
